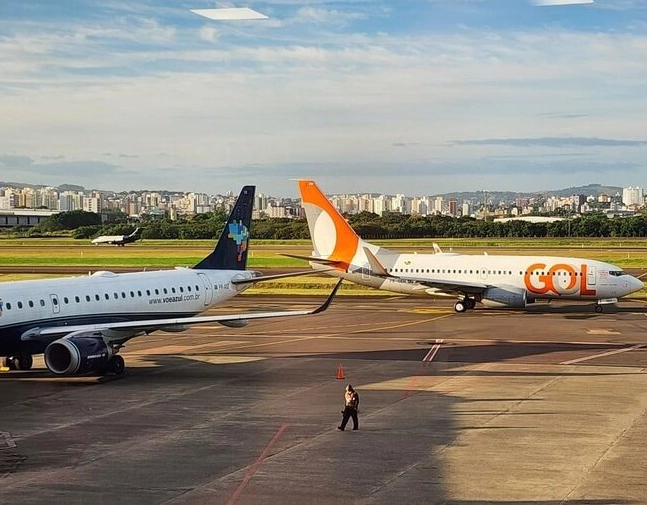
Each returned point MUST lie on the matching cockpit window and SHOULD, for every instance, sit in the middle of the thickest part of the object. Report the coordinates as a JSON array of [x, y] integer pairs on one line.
[[617, 273]]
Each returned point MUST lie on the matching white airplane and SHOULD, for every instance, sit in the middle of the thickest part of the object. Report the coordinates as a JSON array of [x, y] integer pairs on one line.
[[81, 323], [118, 240], [497, 281]]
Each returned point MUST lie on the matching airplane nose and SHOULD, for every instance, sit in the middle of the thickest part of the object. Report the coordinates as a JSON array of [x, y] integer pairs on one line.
[[636, 284]]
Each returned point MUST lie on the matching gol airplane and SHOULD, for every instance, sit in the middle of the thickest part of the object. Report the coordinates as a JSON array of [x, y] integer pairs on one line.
[[496, 281]]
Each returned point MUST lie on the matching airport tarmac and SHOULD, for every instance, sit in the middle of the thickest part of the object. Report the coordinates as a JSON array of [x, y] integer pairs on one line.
[[542, 406]]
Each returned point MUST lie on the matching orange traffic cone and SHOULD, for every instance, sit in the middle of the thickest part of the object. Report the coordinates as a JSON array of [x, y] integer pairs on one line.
[[340, 372]]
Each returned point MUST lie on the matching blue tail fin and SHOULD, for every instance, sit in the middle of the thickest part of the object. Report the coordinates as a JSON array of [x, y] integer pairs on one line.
[[231, 250]]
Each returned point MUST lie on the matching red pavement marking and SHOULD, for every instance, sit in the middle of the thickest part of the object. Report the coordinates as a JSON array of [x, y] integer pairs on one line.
[[411, 387], [250, 473]]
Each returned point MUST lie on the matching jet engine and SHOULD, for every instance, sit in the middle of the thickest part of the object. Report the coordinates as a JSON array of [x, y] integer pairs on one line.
[[77, 355], [506, 296], [236, 323]]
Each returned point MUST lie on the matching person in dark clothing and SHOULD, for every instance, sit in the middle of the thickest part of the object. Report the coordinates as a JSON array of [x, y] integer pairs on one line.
[[351, 405]]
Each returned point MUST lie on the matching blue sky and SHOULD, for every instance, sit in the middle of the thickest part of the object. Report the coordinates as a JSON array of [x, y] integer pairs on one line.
[[404, 96]]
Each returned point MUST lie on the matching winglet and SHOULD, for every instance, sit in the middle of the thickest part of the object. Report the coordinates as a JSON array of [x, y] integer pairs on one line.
[[375, 264], [328, 301]]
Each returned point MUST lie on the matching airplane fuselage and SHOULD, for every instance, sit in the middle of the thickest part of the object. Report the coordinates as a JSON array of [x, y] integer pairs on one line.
[[541, 277], [107, 297]]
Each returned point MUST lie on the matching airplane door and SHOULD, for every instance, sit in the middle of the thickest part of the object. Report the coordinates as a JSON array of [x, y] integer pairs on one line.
[[591, 276], [208, 290], [56, 308]]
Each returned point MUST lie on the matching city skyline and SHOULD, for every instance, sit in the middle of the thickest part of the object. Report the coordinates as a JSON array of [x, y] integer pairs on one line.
[[362, 96]]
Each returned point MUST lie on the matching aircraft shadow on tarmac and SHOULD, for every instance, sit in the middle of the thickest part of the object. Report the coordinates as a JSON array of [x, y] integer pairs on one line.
[[448, 354], [452, 354], [581, 311]]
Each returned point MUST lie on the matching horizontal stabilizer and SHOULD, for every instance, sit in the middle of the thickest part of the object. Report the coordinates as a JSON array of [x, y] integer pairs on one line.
[[261, 278], [314, 259]]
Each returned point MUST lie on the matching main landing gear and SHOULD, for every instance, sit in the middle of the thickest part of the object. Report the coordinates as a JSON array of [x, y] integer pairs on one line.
[[20, 362], [464, 304]]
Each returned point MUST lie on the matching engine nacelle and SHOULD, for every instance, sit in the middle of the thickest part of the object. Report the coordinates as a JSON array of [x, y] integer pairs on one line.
[[507, 296], [236, 323], [77, 355]]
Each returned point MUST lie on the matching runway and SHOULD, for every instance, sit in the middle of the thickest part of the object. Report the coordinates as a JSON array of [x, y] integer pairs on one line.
[[542, 406]]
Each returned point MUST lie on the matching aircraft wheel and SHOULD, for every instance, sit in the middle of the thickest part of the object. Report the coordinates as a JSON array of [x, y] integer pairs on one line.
[[23, 362], [460, 306], [470, 303], [117, 365], [598, 308]]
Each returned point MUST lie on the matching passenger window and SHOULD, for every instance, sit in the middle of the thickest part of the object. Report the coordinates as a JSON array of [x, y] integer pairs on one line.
[[42, 303], [165, 291], [172, 290], [181, 289], [65, 300], [116, 296], [139, 293], [31, 304], [123, 294], [132, 294], [87, 298], [107, 296], [8, 306], [96, 297], [20, 305], [148, 292], [77, 299]]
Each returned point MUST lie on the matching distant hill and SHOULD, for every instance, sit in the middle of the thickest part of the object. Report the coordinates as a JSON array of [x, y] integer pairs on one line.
[[494, 197], [20, 185], [590, 189]]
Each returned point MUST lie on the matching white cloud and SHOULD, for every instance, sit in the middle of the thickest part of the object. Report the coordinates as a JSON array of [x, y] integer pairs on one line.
[[142, 87]]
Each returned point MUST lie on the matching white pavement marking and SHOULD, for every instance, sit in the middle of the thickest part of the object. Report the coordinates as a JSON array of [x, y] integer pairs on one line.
[[602, 355], [432, 352], [5, 439]]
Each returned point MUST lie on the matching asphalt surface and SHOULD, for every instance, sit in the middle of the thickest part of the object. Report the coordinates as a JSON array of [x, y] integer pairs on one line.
[[543, 406]]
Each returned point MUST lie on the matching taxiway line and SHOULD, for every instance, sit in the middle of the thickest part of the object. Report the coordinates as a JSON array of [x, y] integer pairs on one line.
[[255, 466], [602, 354]]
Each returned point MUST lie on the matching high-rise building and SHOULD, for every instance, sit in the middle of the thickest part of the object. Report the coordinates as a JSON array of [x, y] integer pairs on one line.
[[633, 196]]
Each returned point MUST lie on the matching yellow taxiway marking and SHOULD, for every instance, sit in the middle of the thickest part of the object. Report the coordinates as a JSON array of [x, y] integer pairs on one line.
[[429, 310], [177, 349]]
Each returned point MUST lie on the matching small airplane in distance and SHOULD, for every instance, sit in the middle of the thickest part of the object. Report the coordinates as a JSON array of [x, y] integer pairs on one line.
[[496, 281], [81, 323], [118, 240]]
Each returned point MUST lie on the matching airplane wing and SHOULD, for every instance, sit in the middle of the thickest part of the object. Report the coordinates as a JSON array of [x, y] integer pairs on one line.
[[124, 330], [449, 287]]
